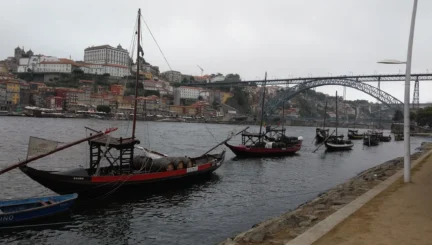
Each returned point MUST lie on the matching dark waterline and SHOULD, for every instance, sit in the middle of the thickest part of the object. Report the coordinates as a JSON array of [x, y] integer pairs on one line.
[[240, 194]]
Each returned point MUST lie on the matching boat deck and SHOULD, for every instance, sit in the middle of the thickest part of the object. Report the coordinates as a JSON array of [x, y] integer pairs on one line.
[[113, 142]]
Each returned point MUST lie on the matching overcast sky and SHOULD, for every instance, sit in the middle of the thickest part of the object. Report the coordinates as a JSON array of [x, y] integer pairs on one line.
[[248, 37]]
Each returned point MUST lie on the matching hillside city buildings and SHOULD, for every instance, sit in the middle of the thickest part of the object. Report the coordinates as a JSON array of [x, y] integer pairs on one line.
[[48, 77], [98, 61]]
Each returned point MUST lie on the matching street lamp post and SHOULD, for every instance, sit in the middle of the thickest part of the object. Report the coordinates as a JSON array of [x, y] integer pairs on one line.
[[407, 124]]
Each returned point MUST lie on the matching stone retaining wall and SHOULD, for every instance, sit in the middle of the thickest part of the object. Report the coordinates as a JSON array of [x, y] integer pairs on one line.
[[286, 227]]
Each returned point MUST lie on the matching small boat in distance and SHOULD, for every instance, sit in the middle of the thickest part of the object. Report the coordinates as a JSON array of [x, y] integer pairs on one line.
[[32, 209], [354, 135], [261, 145], [322, 134], [383, 138], [398, 136], [338, 143], [371, 138], [271, 143]]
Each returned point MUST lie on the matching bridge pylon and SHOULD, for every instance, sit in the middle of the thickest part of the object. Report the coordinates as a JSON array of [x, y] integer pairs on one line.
[[416, 96]]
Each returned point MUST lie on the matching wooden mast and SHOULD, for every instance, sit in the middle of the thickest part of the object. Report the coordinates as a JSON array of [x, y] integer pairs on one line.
[[262, 106], [137, 75], [325, 113], [336, 115], [283, 114]]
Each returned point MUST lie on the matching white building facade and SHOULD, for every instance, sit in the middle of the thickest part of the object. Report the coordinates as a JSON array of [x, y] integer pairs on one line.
[[172, 76], [192, 92], [105, 54]]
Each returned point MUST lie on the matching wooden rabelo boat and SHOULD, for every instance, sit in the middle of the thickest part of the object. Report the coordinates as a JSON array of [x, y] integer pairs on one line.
[[126, 166], [262, 145], [384, 138], [371, 138], [271, 143], [398, 136], [322, 134], [354, 135], [337, 143]]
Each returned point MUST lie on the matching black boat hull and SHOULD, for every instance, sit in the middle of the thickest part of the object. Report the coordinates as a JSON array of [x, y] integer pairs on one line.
[[93, 187], [245, 152], [338, 147], [385, 138], [367, 142]]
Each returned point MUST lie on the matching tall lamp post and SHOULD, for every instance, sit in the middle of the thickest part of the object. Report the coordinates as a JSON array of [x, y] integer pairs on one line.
[[407, 123]]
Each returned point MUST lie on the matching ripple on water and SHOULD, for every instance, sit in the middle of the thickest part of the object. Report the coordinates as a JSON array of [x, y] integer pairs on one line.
[[240, 194]]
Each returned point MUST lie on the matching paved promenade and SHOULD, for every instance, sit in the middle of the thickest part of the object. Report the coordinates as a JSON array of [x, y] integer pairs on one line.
[[402, 214]]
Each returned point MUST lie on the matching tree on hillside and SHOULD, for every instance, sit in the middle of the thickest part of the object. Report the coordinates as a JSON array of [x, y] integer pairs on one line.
[[77, 72], [424, 116], [398, 116], [232, 78], [151, 92], [413, 116]]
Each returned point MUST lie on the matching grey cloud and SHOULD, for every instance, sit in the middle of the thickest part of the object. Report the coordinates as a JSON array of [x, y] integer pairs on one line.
[[247, 37]]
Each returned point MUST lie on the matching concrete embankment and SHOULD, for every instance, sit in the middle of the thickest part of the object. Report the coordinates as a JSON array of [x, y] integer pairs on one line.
[[288, 226]]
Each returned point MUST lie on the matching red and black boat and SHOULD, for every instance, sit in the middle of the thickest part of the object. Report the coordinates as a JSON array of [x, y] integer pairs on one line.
[[272, 143], [146, 171], [115, 163], [322, 134], [255, 145], [337, 143]]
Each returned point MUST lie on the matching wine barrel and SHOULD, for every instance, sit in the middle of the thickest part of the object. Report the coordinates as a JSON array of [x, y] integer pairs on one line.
[[189, 164], [170, 167], [145, 163], [180, 164]]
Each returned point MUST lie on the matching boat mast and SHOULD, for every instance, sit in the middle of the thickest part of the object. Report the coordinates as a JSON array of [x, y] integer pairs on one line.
[[325, 113], [336, 114], [137, 75], [262, 106], [283, 114]]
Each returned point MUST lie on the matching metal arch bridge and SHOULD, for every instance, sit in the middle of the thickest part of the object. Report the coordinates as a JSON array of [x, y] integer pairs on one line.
[[284, 81], [349, 80], [273, 103]]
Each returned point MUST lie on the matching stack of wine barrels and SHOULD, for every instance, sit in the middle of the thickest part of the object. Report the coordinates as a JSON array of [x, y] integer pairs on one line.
[[147, 164]]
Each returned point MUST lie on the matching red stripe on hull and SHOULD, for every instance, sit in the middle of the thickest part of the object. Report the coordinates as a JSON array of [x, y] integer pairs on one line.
[[150, 176], [257, 152], [266, 150]]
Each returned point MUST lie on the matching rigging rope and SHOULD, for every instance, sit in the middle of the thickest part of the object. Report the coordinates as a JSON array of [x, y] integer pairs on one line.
[[148, 28]]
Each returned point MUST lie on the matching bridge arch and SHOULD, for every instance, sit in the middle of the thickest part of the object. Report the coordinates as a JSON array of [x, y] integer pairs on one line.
[[378, 94]]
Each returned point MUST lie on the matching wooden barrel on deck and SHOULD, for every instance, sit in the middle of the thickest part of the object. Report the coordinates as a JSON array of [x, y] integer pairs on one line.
[[189, 164], [180, 164]]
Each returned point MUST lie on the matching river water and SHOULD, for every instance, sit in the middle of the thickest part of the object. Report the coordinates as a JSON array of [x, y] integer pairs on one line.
[[238, 195]]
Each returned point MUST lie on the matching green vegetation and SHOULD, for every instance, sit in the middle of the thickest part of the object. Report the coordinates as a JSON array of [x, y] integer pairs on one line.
[[398, 116], [239, 101], [424, 116], [103, 108]]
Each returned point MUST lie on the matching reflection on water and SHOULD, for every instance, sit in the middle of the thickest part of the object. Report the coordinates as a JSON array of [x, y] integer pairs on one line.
[[238, 195]]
